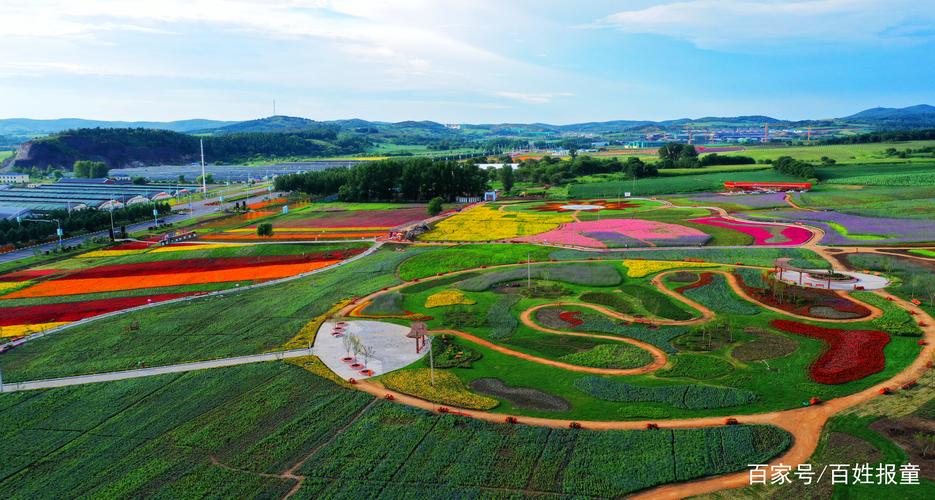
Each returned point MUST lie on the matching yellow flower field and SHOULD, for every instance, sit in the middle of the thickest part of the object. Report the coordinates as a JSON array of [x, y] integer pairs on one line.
[[23, 330], [641, 268], [483, 223], [448, 389], [447, 298]]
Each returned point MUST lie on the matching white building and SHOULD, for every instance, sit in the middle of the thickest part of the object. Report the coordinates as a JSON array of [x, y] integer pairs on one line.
[[14, 178]]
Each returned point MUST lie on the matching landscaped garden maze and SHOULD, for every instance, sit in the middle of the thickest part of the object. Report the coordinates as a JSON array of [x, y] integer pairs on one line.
[[578, 348]]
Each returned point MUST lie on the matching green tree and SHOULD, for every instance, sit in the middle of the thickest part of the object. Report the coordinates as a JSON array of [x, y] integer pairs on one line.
[[209, 178], [99, 169], [139, 181], [435, 206], [264, 230], [507, 177], [82, 169]]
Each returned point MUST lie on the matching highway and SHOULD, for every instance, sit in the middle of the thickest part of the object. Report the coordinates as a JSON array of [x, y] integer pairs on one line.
[[199, 208]]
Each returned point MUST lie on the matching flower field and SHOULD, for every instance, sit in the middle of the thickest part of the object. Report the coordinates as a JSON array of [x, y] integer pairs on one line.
[[851, 354], [484, 223], [847, 229], [643, 268], [34, 299], [618, 233], [447, 298], [448, 388], [763, 234]]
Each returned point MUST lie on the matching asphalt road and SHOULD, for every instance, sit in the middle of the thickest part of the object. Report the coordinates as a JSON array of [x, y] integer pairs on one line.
[[199, 208], [149, 372]]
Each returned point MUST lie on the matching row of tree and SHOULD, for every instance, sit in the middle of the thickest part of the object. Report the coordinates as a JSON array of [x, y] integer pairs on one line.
[[551, 170], [886, 136], [76, 221], [403, 179], [87, 169], [790, 166]]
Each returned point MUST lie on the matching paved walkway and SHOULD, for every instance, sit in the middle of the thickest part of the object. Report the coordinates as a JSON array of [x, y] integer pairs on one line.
[[391, 349], [149, 372]]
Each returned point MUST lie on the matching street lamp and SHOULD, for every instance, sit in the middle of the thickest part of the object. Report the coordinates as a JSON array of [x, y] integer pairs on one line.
[[58, 226]]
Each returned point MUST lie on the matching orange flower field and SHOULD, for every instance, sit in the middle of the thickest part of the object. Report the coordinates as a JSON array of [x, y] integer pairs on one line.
[[95, 285]]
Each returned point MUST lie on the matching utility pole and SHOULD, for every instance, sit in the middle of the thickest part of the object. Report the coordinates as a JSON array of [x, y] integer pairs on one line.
[[431, 361], [204, 180]]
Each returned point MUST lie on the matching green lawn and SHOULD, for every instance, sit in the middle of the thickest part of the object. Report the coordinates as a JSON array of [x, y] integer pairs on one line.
[[843, 153]]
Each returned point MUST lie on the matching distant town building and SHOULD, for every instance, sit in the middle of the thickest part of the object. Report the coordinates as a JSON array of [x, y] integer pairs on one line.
[[14, 178]]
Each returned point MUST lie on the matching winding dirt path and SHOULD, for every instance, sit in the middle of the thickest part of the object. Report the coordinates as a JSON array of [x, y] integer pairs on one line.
[[659, 357]]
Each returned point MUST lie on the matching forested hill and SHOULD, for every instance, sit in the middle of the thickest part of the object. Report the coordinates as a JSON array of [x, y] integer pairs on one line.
[[121, 147]]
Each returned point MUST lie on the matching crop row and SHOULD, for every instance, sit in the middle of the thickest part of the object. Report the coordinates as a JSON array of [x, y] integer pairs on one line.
[[692, 397]]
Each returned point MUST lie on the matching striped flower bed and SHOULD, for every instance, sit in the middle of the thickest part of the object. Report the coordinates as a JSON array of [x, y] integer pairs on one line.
[[74, 311]]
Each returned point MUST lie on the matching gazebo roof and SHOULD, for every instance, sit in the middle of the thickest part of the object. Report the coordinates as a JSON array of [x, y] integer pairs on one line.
[[418, 330]]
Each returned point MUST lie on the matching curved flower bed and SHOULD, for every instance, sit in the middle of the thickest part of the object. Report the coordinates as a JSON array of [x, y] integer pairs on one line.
[[447, 298], [812, 302], [386, 219], [615, 233], [571, 317], [602, 204], [851, 354], [763, 234]]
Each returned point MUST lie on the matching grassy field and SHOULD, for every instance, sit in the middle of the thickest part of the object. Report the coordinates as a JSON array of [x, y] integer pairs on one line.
[[235, 431], [652, 186], [238, 323], [4, 154], [842, 153]]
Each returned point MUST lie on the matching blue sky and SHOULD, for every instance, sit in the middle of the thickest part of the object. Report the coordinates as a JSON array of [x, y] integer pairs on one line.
[[470, 61]]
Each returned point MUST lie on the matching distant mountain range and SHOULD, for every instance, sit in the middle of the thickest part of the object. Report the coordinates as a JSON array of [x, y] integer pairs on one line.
[[919, 116]]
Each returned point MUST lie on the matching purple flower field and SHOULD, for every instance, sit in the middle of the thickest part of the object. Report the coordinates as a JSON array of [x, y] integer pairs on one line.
[[846, 229], [766, 200]]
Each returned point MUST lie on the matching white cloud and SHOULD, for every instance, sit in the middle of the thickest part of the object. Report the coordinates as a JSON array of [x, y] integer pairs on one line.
[[532, 98], [747, 24]]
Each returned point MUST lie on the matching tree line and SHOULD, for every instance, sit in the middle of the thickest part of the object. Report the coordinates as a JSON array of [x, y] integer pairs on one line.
[[678, 155], [797, 168], [885, 136], [403, 179], [73, 222], [552, 170], [117, 147]]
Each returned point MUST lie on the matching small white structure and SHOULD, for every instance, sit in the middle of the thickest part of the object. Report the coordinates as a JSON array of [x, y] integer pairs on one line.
[[14, 178]]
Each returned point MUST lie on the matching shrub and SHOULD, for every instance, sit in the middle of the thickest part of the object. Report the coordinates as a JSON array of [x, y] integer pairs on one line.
[[448, 388], [264, 230], [691, 397], [449, 353]]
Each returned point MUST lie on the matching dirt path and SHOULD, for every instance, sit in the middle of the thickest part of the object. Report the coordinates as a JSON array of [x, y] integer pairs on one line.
[[659, 357]]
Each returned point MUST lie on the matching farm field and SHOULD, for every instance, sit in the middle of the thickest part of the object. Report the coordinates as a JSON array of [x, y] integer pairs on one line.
[[147, 433], [583, 347], [842, 153]]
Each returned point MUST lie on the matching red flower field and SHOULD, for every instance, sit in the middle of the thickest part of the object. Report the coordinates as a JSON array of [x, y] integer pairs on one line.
[[851, 354], [571, 317], [361, 218], [74, 311]]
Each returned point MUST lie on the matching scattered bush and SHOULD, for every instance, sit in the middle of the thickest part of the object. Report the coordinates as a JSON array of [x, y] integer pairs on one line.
[[449, 353]]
